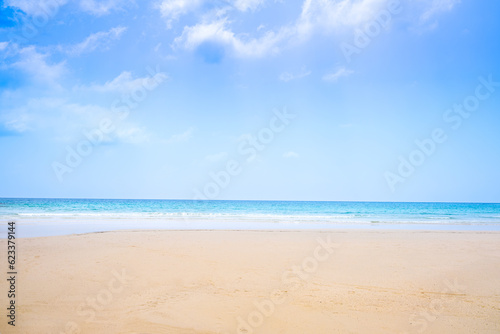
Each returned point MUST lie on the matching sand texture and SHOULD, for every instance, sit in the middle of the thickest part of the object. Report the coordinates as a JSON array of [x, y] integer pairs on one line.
[[296, 282]]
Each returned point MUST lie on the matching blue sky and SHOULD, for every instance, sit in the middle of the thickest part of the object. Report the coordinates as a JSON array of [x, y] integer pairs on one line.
[[358, 100]]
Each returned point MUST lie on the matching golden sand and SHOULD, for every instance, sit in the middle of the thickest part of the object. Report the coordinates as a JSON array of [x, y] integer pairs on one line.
[[149, 282]]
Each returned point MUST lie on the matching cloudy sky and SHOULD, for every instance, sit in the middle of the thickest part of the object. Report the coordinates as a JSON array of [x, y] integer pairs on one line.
[[250, 99]]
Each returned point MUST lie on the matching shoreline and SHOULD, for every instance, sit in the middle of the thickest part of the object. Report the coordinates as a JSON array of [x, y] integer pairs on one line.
[[36, 228], [272, 231]]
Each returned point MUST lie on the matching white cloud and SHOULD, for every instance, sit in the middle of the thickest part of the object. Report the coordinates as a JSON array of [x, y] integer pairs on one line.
[[316, 15], [17, 122], [37, 7], [101, 7], [290, 155], [132, 135], [173, 9], [80, 118], [287, 76], [78, 115], [326, 15], [124, 83], [334, 76], [69, 121], [33, 114], [8, 50], [181, 137], [218, 33], [3, 45], [437, 6], [35, 64], [98, 40], [244, 5]]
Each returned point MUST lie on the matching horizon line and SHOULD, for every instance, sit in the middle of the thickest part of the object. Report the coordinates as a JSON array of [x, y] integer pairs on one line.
[[242, 200]]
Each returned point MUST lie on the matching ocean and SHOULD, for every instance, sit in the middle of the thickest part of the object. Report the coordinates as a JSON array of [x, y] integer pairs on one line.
[[39, 217]]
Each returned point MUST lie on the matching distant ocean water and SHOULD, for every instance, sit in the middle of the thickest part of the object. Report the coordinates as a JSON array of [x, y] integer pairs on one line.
[[62, 216]]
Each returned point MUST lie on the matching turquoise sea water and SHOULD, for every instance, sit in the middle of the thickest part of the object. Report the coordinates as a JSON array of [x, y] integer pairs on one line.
[[62, 216]]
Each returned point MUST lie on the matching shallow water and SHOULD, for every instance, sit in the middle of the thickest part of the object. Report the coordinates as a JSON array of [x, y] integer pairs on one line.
[[64, 216]]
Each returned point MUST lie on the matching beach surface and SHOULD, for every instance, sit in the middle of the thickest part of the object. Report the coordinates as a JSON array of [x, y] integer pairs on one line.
[[339, 281]]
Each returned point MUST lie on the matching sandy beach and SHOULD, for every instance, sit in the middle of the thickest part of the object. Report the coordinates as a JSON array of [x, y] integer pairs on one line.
[[344, 281]]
